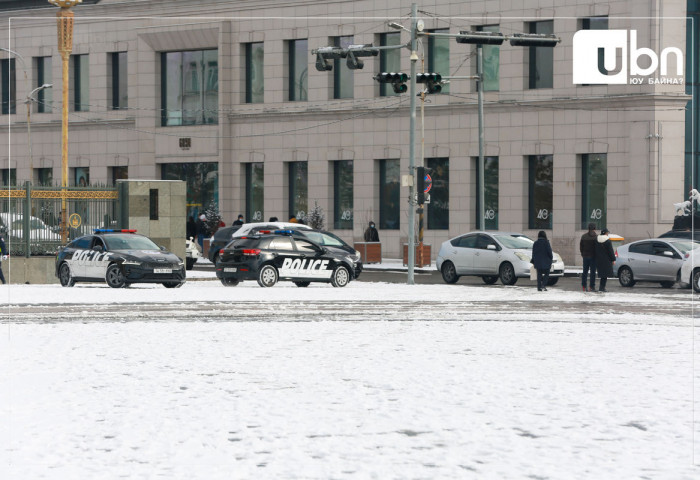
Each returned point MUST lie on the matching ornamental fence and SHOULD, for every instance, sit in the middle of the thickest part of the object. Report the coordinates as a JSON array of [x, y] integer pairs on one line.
[[31, 216]]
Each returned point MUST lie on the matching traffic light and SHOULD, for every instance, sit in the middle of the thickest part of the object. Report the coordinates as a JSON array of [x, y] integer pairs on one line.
[[431, 81], [352, 53], [534, 40], [397, 80], [328, 53], [481, 38], [355, 51]]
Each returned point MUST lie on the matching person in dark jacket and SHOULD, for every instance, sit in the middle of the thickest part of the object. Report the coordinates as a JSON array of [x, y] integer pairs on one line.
[[371, 234], [542, 260], [202, 230], [604, 258], [239, 221], [191, 228], [3, 254], [587, 249]]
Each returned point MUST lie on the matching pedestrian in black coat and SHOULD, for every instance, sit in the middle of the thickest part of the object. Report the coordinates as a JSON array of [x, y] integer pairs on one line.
[[604, 258], [371, 233], [191, 228], [542, 260]]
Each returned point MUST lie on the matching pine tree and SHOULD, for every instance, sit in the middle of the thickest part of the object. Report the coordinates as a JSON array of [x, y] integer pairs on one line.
[[213, 217], [316, 218]]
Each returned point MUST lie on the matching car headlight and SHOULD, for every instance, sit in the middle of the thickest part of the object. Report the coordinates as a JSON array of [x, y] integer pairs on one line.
[[130, 262], [523, 256], [358, 256], [557, 258]]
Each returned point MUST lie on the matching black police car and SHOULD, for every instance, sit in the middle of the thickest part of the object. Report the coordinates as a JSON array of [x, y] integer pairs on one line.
[[282, 255], [120, 258]]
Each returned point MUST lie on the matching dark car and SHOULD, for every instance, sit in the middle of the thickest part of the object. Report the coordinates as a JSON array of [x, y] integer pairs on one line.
[[283, 255], [219, 240], [333, 242], [120, 258], [685, 234]]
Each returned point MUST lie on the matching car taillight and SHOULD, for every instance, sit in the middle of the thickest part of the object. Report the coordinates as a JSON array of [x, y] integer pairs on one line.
[[687, 255], [221, 252], [615, 253], [251, 251]]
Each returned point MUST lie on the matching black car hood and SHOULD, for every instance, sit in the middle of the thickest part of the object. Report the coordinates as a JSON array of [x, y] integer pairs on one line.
[[153, 256]]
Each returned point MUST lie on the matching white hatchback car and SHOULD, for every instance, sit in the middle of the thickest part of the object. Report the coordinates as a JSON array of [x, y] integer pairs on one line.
[[690, 270], [491, 255]]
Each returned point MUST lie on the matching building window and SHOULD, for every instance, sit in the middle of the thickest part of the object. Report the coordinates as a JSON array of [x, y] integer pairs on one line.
[[343, 78], [541, 58], [541, 181], [254, 77], [202, 183], [255, 192], [439, 56], [9, 86], [490, 193], [439, 206], [44, 177], [596, 23], [343, 182], [9, 177], [389, 195], [190, 87], [119, 173], [298, 70], [389, 60], [153, 203], [81, 83], [82, 176], [491, 60], [44, 97], [298, 189], [594, 190], [119, 83]]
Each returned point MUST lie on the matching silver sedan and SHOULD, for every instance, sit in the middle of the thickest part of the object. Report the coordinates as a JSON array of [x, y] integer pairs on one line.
[[654, 260], [491, 255]]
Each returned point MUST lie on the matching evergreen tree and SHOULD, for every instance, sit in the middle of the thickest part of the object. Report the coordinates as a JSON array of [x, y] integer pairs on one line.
[[213, 217], [316, 218]]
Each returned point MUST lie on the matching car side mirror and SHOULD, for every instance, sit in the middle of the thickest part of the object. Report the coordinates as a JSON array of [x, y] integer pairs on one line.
[[162, 248], [491, 246], [98, 248], [667, 253]]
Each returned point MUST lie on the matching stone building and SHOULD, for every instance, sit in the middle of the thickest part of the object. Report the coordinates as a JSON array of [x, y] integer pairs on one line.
[[225, 95]]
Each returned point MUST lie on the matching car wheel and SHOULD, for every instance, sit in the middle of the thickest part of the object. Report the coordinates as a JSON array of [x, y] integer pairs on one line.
[[695, 280], [189, 263], [173, 284], [667, 284], [229, 282], [114, 277], [507, 274], [626, 277], [65, 276], [340, 277], [302, 284], [449, 272], [552, 281], [267, 276], [490, 279]]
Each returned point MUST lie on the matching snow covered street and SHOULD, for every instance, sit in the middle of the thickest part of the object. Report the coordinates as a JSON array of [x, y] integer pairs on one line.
[[370, 381]]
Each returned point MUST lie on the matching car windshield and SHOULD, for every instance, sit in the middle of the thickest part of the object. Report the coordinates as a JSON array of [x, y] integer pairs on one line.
[[514, 241], [325, 239], [685, 247], [128, 241]]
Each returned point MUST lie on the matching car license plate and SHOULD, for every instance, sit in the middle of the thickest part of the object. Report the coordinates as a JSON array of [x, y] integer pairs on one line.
[[230, 269], [162, 270]]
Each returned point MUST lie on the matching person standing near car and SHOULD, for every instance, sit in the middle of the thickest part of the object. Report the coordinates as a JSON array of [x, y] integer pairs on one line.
[[201, 230], [587, 249], [239, 221], [604, 258], [191, 228], [542, 260], [371, 234]]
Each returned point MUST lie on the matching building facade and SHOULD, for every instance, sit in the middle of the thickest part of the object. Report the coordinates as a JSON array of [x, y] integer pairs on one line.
[[226, 95]]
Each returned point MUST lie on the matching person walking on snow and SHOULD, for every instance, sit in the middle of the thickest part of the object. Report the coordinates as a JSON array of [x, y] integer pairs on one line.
[[604, 258], [587, 249], [542, 260]]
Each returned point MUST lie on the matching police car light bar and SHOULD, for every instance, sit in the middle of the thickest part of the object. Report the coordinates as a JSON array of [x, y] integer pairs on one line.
[[114, 230], [284, 232]]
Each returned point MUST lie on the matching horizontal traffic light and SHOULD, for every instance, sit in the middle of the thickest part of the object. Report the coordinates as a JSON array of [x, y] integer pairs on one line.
[[481, 38], [431, 81], [397, 80], [534, 40]]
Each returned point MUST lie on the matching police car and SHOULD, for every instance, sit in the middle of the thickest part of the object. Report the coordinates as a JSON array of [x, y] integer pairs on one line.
[[120, 258], [282, 255]]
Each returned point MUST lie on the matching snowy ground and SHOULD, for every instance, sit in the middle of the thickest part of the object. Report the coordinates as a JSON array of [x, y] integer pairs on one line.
[[370, 381]]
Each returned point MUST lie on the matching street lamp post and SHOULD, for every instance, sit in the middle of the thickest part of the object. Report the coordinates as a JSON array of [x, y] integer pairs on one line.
[[64, 20], [29, 101]]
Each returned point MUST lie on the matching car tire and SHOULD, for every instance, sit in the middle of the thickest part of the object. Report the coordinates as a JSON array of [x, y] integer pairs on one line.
[[667, 284], [302, 284], [65, 276], [340, 277], [695, 280], [449, 272], [626, 277], [173, 284], [268, 276], [230, 282], [507, 274], [114, 276], [490, 279], [189, 263], [552, 281]]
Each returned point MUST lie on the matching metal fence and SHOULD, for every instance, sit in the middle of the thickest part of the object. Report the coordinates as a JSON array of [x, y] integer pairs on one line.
[[31, 216]]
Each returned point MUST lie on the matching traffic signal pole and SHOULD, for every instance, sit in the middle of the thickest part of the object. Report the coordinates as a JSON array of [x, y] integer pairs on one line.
[[412, 152], [480, 101]]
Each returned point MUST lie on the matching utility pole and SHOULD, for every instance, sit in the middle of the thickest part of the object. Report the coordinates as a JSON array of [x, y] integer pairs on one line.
[[480, 101], [412, 151]]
